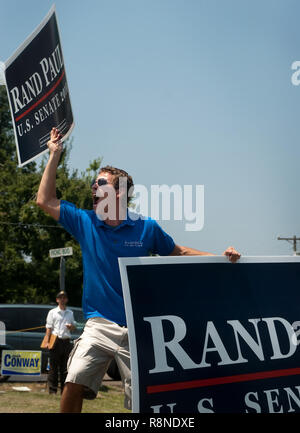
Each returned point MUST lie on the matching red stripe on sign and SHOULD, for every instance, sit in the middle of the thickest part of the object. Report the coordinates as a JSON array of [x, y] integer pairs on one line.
[[42, 98], [222, 380]]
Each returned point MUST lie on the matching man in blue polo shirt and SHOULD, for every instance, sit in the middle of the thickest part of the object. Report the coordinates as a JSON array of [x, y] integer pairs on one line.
[[106, 232]]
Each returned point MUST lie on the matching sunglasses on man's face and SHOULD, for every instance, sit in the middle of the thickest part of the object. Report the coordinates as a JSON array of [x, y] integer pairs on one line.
[[100, 182]]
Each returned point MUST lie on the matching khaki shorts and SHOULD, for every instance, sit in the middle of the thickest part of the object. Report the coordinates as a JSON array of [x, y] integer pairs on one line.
[[100, 342]]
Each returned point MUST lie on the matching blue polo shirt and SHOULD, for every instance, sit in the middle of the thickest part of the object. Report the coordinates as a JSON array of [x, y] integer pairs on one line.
[[101, 245]]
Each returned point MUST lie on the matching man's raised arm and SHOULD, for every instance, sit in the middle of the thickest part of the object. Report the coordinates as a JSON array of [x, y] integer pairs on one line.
[[46, 196]]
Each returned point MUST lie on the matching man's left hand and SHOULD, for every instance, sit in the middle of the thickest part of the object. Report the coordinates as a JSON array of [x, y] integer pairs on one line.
[[69, 326], [232, 254]]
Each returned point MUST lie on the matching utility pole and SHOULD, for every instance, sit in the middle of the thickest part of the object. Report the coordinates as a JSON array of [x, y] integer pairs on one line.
[[293, 239], [62, 273]]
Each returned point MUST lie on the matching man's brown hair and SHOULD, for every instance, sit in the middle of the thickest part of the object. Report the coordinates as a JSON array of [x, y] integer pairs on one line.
[[117, 173]]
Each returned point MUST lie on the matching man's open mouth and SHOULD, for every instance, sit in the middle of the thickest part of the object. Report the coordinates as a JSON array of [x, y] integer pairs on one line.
[[95, 200]]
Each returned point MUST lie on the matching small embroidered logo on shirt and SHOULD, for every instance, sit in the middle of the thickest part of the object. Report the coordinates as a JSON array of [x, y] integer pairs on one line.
[[133, 243]]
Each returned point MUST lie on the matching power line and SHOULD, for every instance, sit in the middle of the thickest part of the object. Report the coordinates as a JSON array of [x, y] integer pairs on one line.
[[30, 225]]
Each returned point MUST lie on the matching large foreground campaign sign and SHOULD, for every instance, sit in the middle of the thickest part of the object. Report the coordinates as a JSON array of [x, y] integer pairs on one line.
[[37, 89], [210, 336]]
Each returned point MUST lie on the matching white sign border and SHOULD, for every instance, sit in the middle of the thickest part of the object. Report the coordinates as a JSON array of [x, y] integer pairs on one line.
[[30, 38], [168, 260]]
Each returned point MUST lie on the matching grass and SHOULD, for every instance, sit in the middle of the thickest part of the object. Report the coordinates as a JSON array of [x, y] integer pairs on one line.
[[110, 399]]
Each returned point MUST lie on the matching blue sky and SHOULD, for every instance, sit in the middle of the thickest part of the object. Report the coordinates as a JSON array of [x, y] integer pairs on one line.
[[187, 92]]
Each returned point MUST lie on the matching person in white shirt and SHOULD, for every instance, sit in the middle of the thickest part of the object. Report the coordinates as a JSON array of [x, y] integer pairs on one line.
[[60, 322]]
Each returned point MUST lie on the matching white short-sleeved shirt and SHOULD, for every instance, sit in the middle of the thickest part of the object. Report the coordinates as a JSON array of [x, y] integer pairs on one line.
[[57, 320]]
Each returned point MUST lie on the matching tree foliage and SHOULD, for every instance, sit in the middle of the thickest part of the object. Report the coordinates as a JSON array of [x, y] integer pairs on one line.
[[27, 273]]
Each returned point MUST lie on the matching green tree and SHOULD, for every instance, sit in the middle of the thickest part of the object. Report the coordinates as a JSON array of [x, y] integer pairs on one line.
[[27, 273]]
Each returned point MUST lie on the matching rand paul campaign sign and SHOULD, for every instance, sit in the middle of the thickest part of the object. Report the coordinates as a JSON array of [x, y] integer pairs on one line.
[[209, 336], [37, 88]]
